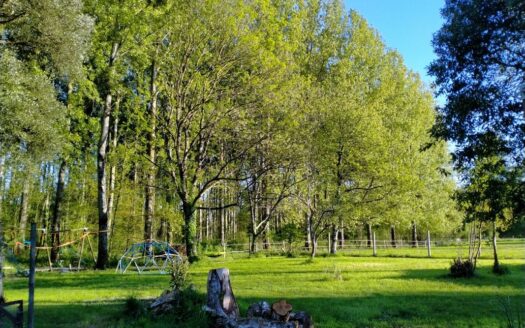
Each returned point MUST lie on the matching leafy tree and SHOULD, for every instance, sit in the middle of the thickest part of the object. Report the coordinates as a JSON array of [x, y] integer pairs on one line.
[[480, 70], [41, 40], [487, 197]]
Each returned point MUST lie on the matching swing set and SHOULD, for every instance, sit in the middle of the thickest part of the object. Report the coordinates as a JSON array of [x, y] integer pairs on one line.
[[77, 238]]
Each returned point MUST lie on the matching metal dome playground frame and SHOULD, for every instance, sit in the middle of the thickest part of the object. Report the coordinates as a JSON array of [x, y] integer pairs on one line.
[[147, 256]]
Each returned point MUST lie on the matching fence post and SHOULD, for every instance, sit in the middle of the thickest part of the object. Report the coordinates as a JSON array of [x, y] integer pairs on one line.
[[374, 243], [429, 250], [32, 265]]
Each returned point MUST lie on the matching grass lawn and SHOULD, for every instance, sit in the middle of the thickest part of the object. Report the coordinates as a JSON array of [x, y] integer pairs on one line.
[[341, 291]]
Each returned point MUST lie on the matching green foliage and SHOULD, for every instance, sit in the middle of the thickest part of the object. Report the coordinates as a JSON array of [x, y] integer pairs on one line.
[[271, 116], [31, 118], [134, 308], [462, 268], [178, 274], [190, 304]]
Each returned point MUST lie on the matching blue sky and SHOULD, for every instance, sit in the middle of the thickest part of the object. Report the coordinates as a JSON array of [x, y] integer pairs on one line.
[[405, 25]]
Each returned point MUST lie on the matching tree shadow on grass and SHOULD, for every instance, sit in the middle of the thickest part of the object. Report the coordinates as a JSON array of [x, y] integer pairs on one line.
[[106, 314], [411, 310], [444, 308], [447, 309], [90, 281], [482, 277]]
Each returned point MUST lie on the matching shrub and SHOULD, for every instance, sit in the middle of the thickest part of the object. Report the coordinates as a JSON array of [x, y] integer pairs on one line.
[[178, 274], [134, 308], [190, 303], [462, 268]]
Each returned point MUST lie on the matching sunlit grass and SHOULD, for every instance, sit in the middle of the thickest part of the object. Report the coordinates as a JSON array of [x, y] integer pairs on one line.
[[340, 291]]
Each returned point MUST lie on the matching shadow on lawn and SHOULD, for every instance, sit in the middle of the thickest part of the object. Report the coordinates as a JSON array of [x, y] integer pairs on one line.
[[91, 281], [445, 309], [482, 277]]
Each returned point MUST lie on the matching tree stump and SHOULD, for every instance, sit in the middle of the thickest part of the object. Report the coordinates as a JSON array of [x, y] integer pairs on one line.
[[223, 310], [221, 303]]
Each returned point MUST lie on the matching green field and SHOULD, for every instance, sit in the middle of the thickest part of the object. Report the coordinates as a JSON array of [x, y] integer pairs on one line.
[[340, 291]]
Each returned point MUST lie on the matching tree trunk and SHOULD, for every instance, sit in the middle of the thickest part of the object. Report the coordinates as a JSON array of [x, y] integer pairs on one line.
[[222, 216], [103, 256], [150, 185], [23, 209], [162, 232], [308, 226], [57, 211], [341, 234], [113, 171], [496, 266], [266, 232], [254, 213], [253, 244], [2, 300], [189, 229], [200, 225], [414, 234], [393, 236], [313, 248], [333, 242], [221, 303], [368, 235]]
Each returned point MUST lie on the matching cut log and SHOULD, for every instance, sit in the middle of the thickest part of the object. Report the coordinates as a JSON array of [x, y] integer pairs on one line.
[[262, 323], [260, 310], [282, 310], [223, 311], [303, 319], [166, 303]]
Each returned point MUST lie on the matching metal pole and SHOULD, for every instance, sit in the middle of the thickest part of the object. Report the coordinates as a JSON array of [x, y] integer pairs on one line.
[[374, 243], [429, 250], [32, 265]]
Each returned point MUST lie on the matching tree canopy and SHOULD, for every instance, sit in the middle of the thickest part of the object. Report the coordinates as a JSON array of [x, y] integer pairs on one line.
[[201, 122]]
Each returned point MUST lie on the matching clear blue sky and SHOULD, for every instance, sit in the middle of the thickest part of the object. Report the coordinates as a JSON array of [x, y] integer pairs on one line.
[[405, 25]]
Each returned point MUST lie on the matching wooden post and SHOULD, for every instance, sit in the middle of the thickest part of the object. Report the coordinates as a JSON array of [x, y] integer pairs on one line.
[[374, 243], [32, 265], [429, 250], [81, 248]]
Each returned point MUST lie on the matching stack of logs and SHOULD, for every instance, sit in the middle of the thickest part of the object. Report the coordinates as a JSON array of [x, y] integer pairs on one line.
[[223, 310]]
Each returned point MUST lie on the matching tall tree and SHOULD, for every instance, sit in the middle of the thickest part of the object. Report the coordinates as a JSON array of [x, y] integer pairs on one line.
[[480, 70], [212, 80], [118, 34], [39, 42]]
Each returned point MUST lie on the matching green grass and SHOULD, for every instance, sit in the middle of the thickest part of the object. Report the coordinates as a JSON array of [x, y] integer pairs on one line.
[[340, 291]]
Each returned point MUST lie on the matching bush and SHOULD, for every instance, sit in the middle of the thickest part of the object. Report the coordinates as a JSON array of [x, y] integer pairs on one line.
[[134, 308], [462, 268], [190, 303], [178, 274]]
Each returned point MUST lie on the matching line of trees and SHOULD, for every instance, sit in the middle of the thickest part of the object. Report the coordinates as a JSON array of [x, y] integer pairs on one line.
[[193, 121]]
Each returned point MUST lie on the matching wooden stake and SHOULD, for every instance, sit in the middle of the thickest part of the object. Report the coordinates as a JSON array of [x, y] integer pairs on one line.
[[81, 251], [32, 265], [374, 243], [429, 250], [49, 259], [91, 249]]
